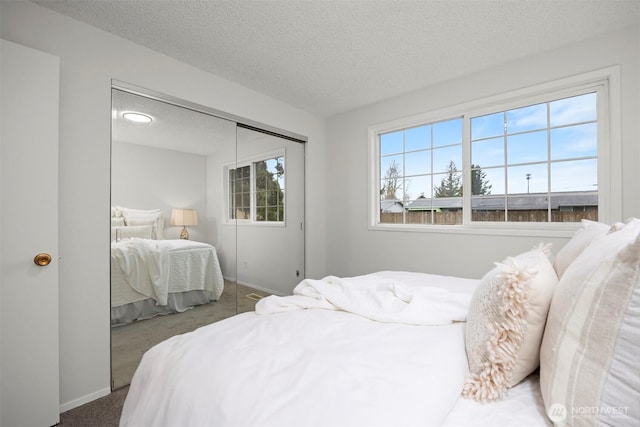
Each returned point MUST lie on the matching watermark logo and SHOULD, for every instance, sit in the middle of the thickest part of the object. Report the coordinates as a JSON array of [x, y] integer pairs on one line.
[[557, 412]]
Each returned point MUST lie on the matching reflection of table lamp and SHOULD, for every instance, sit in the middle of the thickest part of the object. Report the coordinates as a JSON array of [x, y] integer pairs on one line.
[[182, 218]]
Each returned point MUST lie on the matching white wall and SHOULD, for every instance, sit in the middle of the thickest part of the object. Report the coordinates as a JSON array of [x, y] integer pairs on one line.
[[354, 249], [90, 59], [223, 235], [152, 178]]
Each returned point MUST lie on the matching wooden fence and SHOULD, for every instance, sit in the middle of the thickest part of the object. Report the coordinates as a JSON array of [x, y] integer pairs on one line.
[[455, 217]]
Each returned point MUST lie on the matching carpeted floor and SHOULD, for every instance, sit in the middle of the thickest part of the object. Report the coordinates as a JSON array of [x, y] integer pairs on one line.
[[103, 412], [129, 343]]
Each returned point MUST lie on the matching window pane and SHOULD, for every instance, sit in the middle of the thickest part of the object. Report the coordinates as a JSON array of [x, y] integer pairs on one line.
[[480, 183], [494, 178], [573, 110], [528, 118], [527, 179], [574, 141], [578, 175], [417, 162], [447, 185], [527, 147], [391, 143], [419, 186], [269, 190], [447, 133], [488, 208], [418, 138], [487, 126], [391, 166], [488, 152], [443, 158]]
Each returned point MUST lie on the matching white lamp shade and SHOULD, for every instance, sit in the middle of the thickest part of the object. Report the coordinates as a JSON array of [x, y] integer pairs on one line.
[[184, 217]]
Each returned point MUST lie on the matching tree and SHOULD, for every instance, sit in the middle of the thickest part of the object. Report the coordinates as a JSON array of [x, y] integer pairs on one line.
[[451, 184], [480, 185], [392, 182], [269, 193]]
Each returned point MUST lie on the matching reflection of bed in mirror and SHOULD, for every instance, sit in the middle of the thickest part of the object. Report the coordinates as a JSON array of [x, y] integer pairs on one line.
[[152, 276]]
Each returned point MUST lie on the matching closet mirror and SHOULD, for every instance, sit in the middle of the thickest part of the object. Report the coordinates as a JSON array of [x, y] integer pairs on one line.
[[207, 217]]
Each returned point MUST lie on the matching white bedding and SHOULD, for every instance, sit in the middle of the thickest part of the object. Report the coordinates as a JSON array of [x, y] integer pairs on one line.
[[181, 266], [521, 407], [302, 366], [377, 297], [145, 265]]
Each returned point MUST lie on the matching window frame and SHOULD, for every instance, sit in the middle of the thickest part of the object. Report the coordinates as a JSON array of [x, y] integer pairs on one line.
[[605, 81], [251, 161]]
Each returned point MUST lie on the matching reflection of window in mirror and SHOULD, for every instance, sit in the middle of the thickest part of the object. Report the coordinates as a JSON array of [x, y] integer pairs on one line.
[[256, 189]]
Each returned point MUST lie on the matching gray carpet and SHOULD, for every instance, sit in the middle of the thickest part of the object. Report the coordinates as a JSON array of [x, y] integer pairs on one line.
[[103, 412], [129, 343]]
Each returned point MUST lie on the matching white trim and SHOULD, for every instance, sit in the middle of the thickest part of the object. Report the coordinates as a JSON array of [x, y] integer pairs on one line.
[[606, 81], [84, 399]]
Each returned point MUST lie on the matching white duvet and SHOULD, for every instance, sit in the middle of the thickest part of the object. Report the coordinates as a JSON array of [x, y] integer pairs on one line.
[[145, 264], [146, 267], [377, 297], [306, 366]]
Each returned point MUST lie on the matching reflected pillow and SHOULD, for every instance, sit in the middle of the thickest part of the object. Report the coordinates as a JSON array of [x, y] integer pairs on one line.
[[506, 322], [129, 232], [117, 222], [153, 217]]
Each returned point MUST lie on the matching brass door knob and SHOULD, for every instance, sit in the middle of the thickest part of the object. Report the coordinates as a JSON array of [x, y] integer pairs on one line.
[[42, 259]]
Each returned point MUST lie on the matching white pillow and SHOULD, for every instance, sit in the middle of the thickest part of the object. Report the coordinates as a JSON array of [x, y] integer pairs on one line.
[[580, 240], [117, 221], [589, 360], [128, 232], [145, 217], [506, 322]]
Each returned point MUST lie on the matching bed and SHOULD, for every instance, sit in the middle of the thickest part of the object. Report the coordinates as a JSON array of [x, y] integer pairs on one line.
[[151, 275], [534, 342]]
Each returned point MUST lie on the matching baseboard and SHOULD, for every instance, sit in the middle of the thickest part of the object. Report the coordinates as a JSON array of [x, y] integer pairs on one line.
[[260, 288], [84, 399]]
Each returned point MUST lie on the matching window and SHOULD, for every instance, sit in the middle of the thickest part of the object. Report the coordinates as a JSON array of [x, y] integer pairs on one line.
[[421, 182], [530, 158], [530, 164], [257, 190]]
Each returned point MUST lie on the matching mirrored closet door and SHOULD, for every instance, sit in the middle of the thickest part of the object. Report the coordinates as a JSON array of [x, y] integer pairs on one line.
[[207, 217]]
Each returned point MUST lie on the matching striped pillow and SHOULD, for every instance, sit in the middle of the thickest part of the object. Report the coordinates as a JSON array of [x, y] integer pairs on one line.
[[580, 240], [589, 364]]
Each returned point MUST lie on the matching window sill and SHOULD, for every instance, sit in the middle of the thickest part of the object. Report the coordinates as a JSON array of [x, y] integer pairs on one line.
[[488, 229]]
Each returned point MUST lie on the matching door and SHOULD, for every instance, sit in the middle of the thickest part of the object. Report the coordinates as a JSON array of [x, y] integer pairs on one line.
[[29, 373]]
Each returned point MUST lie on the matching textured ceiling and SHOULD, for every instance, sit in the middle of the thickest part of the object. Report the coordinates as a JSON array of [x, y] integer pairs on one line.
[[172, 128], [331, 56]]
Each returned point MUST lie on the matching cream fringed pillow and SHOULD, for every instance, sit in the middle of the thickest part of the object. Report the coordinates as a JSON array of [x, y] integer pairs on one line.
[[506, 321]]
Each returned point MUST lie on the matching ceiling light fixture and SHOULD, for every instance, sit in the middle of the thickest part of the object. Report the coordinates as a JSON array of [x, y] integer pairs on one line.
[[137, 117]]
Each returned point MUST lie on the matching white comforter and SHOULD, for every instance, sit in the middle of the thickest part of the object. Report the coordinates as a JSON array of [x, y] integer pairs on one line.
[[147, 268], [304, 367], [145, 264], [375, 297]]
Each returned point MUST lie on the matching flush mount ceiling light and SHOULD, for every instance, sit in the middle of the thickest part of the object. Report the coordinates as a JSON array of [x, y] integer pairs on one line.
[[137, 117]]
